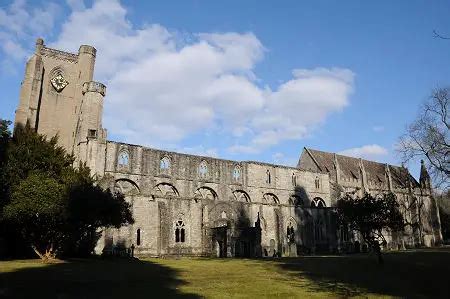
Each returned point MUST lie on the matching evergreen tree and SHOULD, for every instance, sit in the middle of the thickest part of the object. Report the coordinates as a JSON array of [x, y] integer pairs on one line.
[[57, 209]]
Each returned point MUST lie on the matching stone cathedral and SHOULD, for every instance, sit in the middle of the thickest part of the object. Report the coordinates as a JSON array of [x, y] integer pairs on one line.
[[194, 205]]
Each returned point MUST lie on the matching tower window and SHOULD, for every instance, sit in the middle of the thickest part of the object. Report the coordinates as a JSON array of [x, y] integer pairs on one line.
[[268, 178], [180, 235], [317, 183], [294, 180], [92, 133]]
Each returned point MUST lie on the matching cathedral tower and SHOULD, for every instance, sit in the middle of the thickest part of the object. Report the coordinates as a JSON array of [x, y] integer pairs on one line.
[[58, 97]]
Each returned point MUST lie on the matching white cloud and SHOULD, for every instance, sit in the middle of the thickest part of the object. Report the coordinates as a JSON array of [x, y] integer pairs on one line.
[[378, 129], [164, 86], [21, 21], [369, 152], [200, 150], [300, 104]]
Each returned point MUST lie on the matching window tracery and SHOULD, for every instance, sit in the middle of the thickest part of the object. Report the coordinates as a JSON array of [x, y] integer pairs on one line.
[[317, 183], [180, 232], [123, 159], [237, 173], [318, 203], [164, 164]]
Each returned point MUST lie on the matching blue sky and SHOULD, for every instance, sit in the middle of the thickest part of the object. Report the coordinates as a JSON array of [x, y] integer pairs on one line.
[[245, 80]]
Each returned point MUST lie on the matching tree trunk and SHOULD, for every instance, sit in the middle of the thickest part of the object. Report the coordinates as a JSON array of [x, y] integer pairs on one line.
[[41, 256], [48, 255], [379, 255]]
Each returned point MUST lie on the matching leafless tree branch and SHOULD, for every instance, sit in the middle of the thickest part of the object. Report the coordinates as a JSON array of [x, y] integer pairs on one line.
[[437, 35], [429, 137]]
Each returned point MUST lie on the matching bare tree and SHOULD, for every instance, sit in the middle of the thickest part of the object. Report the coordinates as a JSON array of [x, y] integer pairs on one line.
[[437, 35], [428, 138]]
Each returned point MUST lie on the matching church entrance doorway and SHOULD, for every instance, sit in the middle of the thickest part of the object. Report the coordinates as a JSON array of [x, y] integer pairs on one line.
[[219, 238]]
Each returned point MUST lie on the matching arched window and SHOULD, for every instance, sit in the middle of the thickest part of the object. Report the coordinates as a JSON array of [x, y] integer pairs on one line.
[[205, 193], [164, 164], [179, 232], [294, 180], [203, 169], [317, 183], [240, 195], [138, 237], [270, 198], [268, 179], [123, 158], [236, 173], [290, 233], [318, 203]]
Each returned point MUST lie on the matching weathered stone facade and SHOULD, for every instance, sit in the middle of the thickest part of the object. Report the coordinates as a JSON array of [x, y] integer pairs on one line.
[[357, 176], [185, 204], [207, 193]]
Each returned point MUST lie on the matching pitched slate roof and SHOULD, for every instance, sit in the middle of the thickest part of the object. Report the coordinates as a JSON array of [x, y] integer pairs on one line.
[[350, 168]]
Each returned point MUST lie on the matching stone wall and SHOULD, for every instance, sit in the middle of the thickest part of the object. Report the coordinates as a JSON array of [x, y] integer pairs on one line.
[[206, 193]]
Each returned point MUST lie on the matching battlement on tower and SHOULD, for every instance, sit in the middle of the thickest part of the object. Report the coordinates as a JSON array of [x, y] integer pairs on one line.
[[94, 86], [45, 51]]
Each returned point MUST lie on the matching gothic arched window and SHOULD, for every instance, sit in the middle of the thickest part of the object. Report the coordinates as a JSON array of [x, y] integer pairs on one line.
[[180, 235], [294, 180], [317, 183], [237, 173], [268, 178], [203, 169], [318, 203], [164, 164], [290, 233], [123, 158]]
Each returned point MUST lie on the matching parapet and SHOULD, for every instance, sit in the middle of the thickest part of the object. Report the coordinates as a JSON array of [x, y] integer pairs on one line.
[[93, 86], [39, 45], [85, 49]]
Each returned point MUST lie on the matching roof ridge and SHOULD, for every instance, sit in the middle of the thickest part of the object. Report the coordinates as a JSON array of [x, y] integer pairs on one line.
[[350, 157]]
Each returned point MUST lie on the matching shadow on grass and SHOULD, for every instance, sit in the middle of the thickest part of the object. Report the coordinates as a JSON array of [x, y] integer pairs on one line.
[[411, 274], [93, 279]]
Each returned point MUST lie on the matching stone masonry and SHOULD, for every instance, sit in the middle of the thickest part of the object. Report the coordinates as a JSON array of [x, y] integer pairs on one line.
[[194, 205]]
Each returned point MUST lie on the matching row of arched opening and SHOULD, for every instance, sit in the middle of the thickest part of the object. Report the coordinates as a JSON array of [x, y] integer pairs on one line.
[[129, 188], [123, 161]]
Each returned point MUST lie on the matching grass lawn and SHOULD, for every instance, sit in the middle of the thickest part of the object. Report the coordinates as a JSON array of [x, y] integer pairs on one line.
[[421, 273]]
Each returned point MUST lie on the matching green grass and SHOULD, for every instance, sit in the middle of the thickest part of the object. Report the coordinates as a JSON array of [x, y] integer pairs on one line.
[[421, 274]]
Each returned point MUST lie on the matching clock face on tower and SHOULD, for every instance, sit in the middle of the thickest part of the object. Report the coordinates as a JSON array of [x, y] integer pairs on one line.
[[58, 82]]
